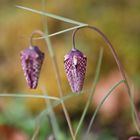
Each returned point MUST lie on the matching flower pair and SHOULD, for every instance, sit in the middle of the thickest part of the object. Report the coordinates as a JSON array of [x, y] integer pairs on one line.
[[74, 63]]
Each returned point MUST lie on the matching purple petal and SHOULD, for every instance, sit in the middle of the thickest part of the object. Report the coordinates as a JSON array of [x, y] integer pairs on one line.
[[75, 66], [31, 60]]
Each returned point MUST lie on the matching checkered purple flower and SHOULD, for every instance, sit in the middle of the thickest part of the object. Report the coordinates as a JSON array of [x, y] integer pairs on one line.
[[75, 66], [31, 60]]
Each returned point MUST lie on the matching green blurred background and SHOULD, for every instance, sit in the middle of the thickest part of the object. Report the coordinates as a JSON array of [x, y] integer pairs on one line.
[[118, 19]]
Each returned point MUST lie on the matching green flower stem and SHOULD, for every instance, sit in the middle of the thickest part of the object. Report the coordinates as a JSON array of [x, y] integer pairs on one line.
[[120, 67], [50, 15], [46, 112], [90, 97], [52, 117], [56, 103], [61, 95], [29, 96], [53, 120], [101, 103], [60, 32], [57, 74], [66, 30], [133, 110], [36, 131]]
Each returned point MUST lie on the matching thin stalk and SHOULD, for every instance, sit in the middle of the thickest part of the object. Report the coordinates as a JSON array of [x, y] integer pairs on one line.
[[133, 112], [66, 30], [56, 103], [60, 32], [55, 66], [53, 119], [90, 97], [61, 95], [57, 74], [50, 15], [101, 103], [56, 133], [29, 96], [120, 67], [51, 115], [107, 41], [36, 131], [47, 112]]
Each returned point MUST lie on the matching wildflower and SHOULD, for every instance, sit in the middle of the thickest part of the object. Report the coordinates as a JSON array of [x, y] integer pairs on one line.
[[75, 67], [31, 60]]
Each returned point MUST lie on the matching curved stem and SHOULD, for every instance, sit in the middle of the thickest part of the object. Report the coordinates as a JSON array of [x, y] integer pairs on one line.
[[34, 33], [56, 70], [107, 41], [109, 45]]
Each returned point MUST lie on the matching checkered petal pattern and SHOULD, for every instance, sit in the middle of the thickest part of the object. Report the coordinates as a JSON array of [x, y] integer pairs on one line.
[[75, 67], [31, 61]]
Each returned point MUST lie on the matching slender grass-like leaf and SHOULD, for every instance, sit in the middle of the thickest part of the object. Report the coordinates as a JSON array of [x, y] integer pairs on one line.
[[101, 103], [36, 131], [51, 15], [60, 32], [28, 96], [56, 103], [53, 119], [91, 92], [47, 111], [135, 118], [58, 79]]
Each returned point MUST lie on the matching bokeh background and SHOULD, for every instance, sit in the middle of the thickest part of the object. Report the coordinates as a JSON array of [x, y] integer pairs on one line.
[[119, 20]]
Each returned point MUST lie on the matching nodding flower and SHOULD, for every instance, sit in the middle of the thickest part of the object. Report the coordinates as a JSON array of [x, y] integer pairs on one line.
[[31, 61], [75, 67]]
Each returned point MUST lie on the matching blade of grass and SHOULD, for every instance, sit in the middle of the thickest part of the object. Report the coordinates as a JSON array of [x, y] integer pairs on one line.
[[53, 120], [60, 32], [58, 79], [35, 134], [52, 117], [56, 103], [38, 121], [133, 111], [101, 103], [29, 96], [47, 111], [91, 92], [51, 15]]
